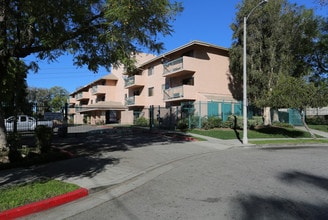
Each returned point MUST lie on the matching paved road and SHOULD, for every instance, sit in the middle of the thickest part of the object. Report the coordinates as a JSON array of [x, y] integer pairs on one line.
[[238, 183]]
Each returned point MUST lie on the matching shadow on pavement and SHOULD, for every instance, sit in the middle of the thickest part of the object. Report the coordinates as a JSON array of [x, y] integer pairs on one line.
[[76, 167], [88, 149], [115, 139], [82, 167], [255, 207], [294, 177]]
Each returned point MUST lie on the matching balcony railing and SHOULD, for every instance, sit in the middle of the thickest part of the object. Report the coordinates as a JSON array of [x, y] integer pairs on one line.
[[98, 89], [71, 100], [178, 66], [135, 101], [130, 100], [82, 95], [179, 93], [132, 81], [79, 108]]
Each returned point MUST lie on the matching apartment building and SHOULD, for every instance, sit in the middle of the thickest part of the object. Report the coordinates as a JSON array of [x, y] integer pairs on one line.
[[197, 72]]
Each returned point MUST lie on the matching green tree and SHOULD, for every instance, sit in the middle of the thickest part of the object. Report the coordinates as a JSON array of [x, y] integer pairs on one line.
[[40, 98], [13, 89], [97, 33], [52, 99], [59, 97], [279, 39], [296, 93], [13, 94], [319, 57]]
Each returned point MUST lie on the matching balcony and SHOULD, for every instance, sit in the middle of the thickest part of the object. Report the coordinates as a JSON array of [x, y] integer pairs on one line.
[[82, 96], [72, 110], [99, 90], [180, 93], [78, 109], [134, 101], [134, 81], [71, 101], [180, 66]]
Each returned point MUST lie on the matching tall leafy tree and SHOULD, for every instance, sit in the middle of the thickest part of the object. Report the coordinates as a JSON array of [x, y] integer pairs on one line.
[[44, 99], [279, 41], [38, 96], [59, 97], [14, 89], [301, 94], [97, 32], [319, 57]]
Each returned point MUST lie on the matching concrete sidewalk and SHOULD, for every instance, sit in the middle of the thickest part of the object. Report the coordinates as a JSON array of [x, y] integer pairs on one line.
[[316, 132], [134, 168], [103, 174], [108, 174]]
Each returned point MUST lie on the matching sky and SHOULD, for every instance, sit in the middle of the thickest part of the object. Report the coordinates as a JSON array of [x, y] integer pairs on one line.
[[207, 20]]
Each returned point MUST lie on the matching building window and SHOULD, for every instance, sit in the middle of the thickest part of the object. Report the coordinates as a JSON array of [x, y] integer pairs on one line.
[[151, 91], [150, 71]]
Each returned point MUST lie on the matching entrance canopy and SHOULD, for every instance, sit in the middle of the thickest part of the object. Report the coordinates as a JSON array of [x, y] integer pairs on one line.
[[103, 106]]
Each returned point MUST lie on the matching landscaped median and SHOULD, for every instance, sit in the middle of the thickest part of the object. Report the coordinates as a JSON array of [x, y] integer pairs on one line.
[[21, 200]]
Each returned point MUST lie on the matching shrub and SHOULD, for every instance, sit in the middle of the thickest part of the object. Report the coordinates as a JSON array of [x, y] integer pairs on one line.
[[234, 122], [182, 125], [43, 136], [141, 121], [251, 124], [282, 124], [14, 156], [212, 122], [316, 120], [194, 121], [258, 120], [14, 143], [229, 123]]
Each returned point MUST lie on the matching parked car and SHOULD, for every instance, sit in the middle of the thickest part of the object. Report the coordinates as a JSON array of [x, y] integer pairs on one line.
[[25, 123]]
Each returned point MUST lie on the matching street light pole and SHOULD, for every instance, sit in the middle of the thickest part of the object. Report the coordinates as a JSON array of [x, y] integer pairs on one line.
[[245, 102]]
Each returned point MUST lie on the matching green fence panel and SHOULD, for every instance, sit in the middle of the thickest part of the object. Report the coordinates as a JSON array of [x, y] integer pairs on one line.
[[212, 109], [226, 111], [238, 109], [295, 117]]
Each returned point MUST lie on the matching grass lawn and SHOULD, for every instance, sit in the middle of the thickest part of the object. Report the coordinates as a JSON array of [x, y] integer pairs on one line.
[[282, 134], [19, 195], [319, 127], [290, 141], [263, 132]]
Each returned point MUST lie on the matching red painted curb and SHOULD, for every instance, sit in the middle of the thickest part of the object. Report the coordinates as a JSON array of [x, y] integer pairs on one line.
[[43, 205]]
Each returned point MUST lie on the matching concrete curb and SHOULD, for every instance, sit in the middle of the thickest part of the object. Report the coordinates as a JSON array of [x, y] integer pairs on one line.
[[43, 205]]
